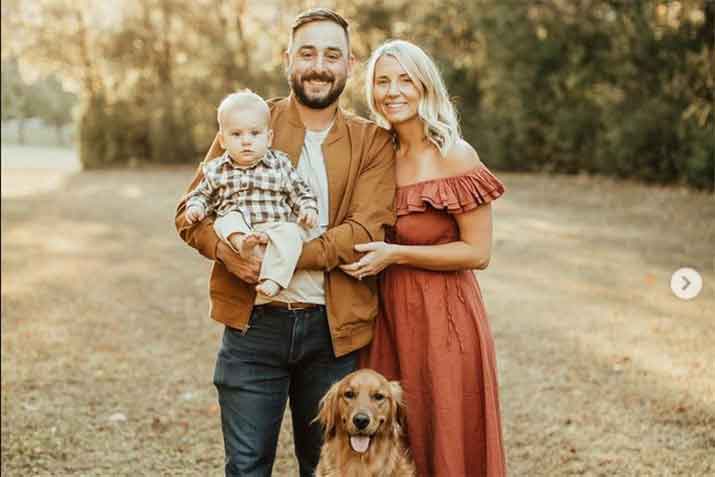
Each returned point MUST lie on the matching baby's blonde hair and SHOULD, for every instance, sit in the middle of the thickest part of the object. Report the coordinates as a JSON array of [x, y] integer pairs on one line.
[[435, 109], [243, 99]]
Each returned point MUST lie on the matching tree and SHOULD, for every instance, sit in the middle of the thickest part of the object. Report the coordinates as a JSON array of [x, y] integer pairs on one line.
[[56, 105], [20, 100], [596, 86]]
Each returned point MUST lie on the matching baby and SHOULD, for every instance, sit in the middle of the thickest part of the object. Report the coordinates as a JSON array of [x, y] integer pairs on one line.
[[255, 190]]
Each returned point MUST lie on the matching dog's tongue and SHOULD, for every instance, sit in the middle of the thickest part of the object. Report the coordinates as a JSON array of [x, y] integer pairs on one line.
[[359, 443]]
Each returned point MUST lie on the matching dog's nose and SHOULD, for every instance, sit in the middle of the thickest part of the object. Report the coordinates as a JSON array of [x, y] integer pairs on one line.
[[361, 420]]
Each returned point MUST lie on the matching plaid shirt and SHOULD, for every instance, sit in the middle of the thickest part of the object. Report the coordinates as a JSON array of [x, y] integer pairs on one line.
[[270, 191]]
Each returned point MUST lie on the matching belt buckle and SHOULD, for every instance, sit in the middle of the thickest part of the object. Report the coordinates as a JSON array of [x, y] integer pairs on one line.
[[292, 307]]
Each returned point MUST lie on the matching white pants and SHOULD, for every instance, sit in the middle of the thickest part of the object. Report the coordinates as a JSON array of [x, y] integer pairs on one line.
[[285, 244]]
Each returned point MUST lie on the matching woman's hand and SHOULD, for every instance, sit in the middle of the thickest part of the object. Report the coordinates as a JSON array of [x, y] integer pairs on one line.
[[379, 256]]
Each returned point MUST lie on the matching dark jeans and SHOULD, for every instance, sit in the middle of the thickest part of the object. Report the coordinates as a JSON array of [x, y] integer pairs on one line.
[[284, 355]]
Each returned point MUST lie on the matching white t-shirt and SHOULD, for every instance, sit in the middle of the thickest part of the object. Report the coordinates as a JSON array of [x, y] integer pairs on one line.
[[311, 167], [308, 286]]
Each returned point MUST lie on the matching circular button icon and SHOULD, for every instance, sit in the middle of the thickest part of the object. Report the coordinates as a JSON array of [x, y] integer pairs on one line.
[[686, 283]]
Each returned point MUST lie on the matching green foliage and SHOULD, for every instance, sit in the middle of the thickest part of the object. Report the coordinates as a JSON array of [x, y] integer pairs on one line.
[[44, 98], [615, 88], [56, 102], [597, 86], [13, 90], [20, 99]]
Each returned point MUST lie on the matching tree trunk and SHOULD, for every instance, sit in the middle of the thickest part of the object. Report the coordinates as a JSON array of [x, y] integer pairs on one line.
[[60, 137], [21, 131]]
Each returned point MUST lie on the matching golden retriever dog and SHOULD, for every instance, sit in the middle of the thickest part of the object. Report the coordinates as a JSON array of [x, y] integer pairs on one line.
[[362, 417]]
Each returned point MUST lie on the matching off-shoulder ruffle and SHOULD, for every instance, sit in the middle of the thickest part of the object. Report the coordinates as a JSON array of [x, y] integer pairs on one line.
[[456, 194]]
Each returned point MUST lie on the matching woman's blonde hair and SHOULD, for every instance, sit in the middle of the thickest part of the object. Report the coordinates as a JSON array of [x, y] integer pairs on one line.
[[435, 108]]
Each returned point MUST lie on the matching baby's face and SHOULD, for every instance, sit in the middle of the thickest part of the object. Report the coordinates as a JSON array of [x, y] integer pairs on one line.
[[245, 134]]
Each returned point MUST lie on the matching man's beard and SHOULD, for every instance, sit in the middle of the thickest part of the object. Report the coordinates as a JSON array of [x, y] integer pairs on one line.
[[337, 87]]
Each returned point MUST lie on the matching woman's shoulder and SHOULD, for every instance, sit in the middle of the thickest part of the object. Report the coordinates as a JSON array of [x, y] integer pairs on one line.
[[463, 184], [461, 158]]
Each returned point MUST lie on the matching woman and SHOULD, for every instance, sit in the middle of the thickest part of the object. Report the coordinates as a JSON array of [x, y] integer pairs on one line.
[[432, 333]]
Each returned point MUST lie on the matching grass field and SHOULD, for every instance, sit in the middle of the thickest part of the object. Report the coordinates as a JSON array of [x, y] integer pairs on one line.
[[107, 351]]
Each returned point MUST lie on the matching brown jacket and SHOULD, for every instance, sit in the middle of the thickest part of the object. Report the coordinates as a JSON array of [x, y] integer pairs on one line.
[[359, 160]]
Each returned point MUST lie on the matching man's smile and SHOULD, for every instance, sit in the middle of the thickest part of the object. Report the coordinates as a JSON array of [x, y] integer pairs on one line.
[[318, 83]]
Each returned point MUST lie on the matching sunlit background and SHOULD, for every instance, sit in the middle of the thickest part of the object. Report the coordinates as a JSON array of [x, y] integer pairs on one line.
[[620, 88], [597, 114]]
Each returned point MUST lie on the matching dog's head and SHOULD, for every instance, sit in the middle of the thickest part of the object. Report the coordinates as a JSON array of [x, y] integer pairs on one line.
[[363, 405]]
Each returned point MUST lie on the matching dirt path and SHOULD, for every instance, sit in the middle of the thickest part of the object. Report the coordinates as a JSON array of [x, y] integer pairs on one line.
[[107, 354]]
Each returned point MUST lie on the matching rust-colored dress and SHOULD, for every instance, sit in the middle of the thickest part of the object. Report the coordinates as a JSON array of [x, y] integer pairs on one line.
[[433, 336]]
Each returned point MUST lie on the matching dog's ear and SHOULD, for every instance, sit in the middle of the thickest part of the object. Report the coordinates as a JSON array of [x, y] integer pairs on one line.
[[328, 412], [399, 403]]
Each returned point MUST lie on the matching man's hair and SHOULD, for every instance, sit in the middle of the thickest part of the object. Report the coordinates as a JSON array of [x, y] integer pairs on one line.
[[317, 15], [244, 98]]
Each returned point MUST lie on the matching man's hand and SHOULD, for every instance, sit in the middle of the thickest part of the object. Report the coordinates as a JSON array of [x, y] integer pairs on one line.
[[308, 219], [195, 213], [247, 269], [245, 244]]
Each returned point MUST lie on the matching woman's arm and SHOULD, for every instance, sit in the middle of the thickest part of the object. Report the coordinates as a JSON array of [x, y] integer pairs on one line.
[[472, 251]]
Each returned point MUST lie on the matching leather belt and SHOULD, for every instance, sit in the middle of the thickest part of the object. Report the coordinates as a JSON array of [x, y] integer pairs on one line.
[[291, 306]]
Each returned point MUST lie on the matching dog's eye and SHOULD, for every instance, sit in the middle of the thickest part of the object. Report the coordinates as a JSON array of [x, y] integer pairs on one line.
[[378, 397], [349, 394]]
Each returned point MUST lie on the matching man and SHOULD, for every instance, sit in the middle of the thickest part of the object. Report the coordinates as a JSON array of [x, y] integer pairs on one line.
[[297, 349]]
